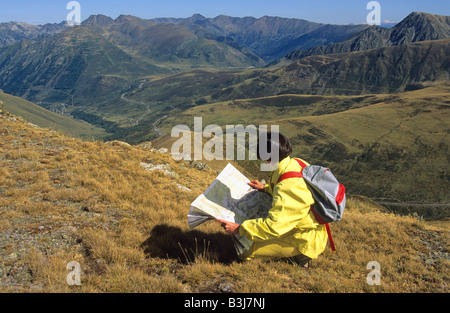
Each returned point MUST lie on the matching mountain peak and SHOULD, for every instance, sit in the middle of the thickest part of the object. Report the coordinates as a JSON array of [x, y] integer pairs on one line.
[[416, 27], [124, 17], [420, 13], [134, 20], [99, 19], [420, 26], [197, 17], [417, 15]]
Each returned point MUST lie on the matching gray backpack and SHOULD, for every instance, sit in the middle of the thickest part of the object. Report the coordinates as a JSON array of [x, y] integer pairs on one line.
[[328, 194]]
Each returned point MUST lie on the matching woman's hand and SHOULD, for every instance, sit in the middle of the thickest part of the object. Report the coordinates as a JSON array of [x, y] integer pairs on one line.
[[230, 228], [256, 184]]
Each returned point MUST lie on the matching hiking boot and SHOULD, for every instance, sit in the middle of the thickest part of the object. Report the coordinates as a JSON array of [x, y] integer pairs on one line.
[[301, 260]]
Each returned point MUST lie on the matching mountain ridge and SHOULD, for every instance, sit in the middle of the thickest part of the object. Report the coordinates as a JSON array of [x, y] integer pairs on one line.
[[49, 70], [43, 118], [169, 43], [269, 37], [100, 74], [12, 32], [381, 70], [417, 26]]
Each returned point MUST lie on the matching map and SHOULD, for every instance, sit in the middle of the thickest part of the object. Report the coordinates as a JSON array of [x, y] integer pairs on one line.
[[230, 198]]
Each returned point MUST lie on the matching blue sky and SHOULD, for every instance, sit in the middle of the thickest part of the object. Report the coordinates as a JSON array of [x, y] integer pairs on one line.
[[323, 11]]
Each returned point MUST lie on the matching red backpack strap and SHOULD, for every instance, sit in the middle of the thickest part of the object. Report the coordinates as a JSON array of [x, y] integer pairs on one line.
[[293, 174], [321, 221], [289, 175], [301, 163], [330, 239]]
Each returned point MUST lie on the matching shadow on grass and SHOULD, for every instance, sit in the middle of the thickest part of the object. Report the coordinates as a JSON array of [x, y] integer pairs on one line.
[[173, 243]]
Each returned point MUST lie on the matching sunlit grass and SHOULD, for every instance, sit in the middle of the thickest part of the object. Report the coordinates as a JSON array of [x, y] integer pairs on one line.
[[127, 228]]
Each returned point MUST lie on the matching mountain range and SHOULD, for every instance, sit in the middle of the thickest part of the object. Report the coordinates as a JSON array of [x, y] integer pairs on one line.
[[94, 64], [268, 37], [73, 67], [13, 31], [168, 42], [382, 70], [134, 79], [417, 26]]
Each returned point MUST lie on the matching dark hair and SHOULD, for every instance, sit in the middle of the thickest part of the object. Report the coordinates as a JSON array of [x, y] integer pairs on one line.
[[283, 144]]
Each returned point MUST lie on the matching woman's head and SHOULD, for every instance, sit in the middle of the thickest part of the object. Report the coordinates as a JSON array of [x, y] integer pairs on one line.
[[278, 141]]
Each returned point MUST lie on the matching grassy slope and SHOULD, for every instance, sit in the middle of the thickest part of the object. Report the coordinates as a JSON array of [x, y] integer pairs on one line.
[[63, 199], [41, 117], [357, 73], [404, 138], [367, 136], [82, 68]]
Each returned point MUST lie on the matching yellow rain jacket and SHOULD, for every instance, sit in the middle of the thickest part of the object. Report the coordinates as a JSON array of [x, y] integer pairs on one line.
[[290, 219]]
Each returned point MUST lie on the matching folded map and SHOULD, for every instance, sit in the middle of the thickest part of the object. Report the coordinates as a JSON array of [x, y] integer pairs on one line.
[[230, 198]]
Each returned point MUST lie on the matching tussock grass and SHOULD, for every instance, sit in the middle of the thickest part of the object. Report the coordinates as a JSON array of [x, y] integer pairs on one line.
[[93, 203]]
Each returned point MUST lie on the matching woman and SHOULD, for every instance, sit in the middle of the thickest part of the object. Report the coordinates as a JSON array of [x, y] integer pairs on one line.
[[290, 229]]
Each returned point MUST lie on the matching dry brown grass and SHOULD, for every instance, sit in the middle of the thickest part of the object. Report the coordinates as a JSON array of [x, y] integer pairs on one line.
[[63, 200]]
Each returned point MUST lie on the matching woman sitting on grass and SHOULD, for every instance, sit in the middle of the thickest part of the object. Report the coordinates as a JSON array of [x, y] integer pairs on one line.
[[290, 229]]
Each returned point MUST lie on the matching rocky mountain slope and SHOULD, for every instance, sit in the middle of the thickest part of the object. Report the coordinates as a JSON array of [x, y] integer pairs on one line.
[[417, 26], [381, 70], [76, 66], [13, 31], [268, 37], [168, 43]]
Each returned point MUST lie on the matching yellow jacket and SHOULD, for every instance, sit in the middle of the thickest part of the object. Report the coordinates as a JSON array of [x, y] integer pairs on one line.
[[290, 218]]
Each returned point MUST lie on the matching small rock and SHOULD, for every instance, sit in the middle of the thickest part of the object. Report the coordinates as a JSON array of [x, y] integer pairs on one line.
[[442, 286], [146, 146], [163, 150], [201, 166], [177, 156], [165, 168], [181, 187], [117, 143], [226, 287], [11, 257]]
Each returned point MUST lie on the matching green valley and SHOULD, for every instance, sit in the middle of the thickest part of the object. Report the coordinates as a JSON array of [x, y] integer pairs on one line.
[[370, 141], [368, 107]]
